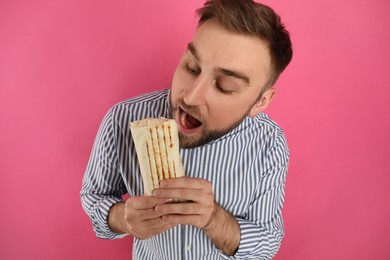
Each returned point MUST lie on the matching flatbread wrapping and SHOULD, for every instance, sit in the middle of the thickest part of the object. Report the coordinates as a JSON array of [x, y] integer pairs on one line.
[[157, 145]]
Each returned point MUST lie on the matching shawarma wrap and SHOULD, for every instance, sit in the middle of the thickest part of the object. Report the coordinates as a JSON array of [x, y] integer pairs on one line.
[[157, 145]]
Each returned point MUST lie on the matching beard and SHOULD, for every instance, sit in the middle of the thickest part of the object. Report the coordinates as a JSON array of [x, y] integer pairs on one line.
[[207, 135]]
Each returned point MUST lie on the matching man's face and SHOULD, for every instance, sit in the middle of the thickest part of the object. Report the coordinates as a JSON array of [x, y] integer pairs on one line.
[[217, 83]]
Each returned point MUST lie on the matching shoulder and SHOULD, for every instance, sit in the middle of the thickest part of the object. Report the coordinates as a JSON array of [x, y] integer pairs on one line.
[[262, 126], [266, 125], [262, 119], [153, 104], [146, 99], [270, 136]]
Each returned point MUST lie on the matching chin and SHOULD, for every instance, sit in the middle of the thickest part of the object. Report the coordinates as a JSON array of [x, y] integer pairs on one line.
[[189, 141]]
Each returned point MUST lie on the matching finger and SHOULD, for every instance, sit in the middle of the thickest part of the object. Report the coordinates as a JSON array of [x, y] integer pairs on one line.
[[159, 230], [185, 194], [154, 223], [180, 208], [185, 182], [144, 214], [149, 228], [145, 202]]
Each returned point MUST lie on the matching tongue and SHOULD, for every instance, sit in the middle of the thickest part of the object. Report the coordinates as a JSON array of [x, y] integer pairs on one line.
[[192, 122]]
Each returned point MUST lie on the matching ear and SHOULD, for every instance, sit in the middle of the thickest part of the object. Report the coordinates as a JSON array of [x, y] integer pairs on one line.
[[263, 102]]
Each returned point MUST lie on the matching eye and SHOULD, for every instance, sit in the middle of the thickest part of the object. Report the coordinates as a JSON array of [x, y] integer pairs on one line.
[[192, 70], [222, 89]]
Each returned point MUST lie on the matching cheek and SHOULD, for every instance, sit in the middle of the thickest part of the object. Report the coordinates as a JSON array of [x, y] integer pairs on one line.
[[179, 82], [175, 87], [225, 113]]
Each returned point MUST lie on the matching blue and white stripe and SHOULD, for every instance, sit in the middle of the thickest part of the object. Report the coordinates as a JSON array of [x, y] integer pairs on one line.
[[247, 168]]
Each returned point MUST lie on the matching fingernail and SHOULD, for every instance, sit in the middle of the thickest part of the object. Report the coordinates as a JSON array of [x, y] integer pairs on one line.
[[163, 184]]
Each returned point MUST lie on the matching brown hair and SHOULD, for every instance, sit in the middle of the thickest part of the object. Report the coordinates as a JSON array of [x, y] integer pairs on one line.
[[248, 17]]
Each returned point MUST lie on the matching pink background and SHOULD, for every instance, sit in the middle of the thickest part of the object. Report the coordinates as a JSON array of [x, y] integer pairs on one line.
[[64, 63]]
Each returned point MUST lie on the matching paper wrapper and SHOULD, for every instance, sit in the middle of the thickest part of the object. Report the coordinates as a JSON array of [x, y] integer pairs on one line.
[[157, 146]]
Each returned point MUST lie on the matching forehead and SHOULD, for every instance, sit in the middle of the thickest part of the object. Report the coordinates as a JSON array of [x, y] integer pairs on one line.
[[218, 47]]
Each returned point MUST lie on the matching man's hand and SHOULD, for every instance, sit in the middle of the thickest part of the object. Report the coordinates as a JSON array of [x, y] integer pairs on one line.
[[198, 201], [138, 217], [198, 209]]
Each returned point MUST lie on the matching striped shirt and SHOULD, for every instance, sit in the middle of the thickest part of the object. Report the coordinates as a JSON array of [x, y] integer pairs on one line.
[[247, 168]]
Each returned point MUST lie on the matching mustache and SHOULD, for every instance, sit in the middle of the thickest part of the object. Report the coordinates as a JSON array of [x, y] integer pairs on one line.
[[194, 111]]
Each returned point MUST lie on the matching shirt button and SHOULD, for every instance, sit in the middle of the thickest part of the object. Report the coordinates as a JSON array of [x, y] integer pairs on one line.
[[188, 247]]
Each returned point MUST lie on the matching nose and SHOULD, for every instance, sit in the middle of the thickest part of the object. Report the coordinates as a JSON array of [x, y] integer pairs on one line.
[[195, 94]]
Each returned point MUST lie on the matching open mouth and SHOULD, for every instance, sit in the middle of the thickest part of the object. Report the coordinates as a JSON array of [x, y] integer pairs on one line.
[[187, 121]]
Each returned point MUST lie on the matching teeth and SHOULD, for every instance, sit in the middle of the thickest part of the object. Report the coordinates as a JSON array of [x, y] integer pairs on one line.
[[183, 119]]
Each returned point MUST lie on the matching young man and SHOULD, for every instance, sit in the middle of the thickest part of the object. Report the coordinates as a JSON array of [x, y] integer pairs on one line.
[[235, 157]]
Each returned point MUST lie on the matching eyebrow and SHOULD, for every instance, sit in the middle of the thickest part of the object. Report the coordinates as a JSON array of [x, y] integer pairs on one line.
[[191, 48], [226, 72], [234, 74]]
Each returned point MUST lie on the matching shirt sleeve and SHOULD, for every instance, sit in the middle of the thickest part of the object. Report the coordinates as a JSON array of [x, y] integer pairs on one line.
[[102, 185], [261, 226]]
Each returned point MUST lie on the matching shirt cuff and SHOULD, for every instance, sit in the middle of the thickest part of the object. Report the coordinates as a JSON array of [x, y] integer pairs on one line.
[[257, 241], [100, 218]]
